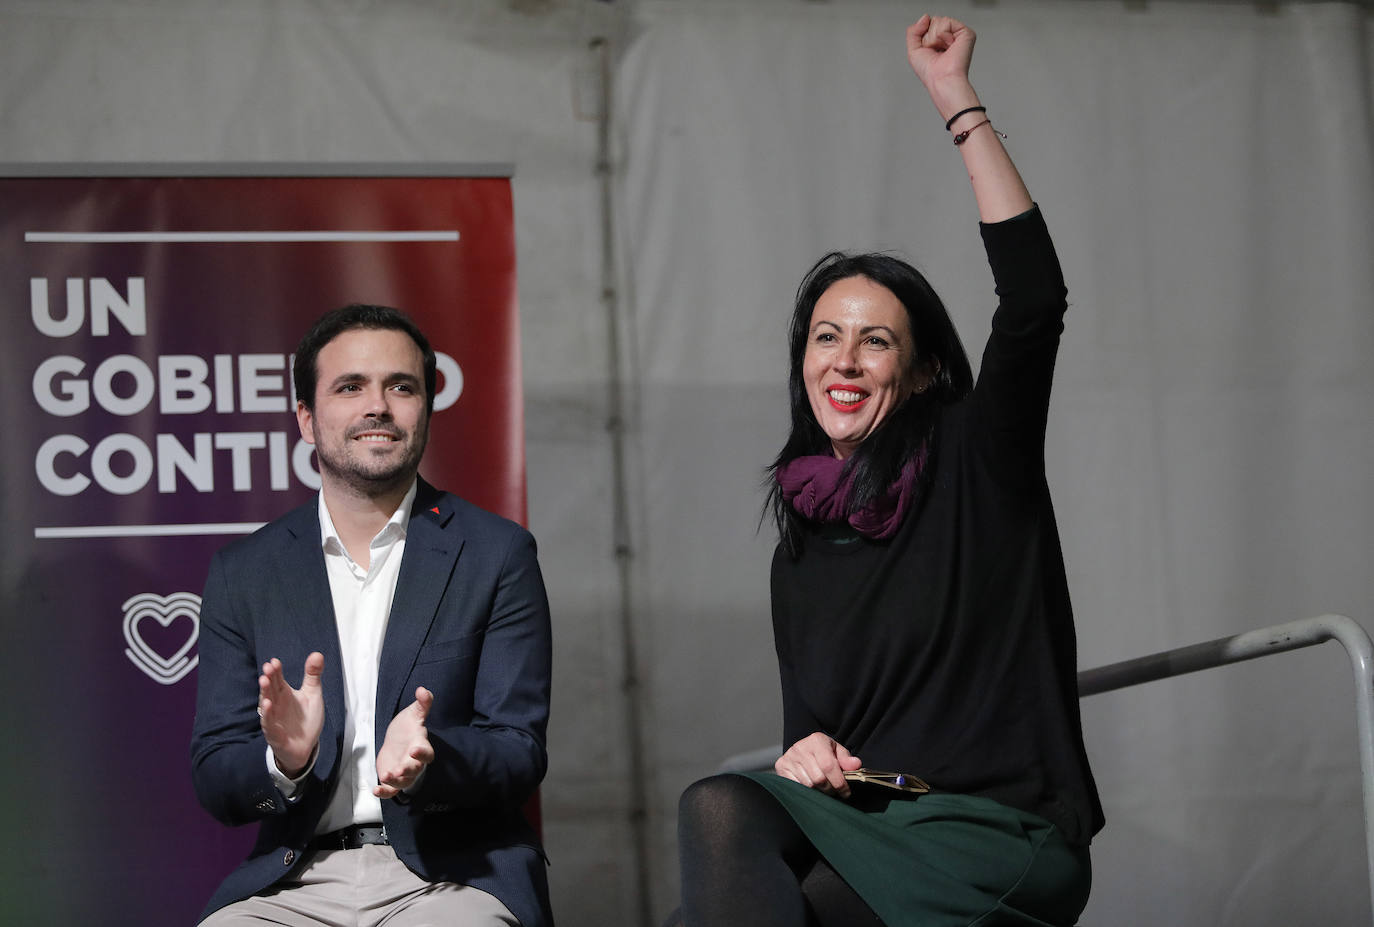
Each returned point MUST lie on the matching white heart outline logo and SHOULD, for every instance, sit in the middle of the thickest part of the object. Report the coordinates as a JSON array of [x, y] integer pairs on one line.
[[164, 610]]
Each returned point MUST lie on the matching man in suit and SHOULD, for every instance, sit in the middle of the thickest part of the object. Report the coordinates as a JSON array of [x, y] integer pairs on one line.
[[374, 671]]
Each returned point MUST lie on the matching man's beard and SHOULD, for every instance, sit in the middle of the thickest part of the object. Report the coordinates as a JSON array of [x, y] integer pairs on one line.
[[351, 463]]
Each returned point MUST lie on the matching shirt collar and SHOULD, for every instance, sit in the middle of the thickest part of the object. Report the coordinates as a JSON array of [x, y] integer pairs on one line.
[[394, 529]]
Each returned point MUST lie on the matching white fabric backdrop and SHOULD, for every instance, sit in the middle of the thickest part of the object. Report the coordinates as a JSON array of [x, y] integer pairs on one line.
[[1207, 173], [1206, 169]]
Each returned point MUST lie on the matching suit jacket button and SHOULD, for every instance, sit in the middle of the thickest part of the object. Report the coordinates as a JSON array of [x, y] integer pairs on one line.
[[288, 858]]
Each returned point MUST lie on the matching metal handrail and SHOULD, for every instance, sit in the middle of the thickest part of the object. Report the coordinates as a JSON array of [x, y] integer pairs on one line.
[[1261, 643]]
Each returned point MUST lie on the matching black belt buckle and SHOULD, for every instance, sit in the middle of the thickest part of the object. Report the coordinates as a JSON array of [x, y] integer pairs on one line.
[[352, 837]]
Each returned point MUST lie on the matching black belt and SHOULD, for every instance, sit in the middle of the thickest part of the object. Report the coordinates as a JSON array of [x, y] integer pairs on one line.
[[350, 838]]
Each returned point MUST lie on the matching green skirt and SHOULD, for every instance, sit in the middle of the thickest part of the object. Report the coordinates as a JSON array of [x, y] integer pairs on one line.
[[940, 860]]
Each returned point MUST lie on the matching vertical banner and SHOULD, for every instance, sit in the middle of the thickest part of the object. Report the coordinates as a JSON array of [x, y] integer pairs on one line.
[[146, 355]]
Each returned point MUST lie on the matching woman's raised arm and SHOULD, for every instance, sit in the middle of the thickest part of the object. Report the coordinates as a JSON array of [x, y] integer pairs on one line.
[[939, 49]]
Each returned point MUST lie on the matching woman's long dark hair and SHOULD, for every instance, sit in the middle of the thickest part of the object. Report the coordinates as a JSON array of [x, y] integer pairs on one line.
[[878, 461]]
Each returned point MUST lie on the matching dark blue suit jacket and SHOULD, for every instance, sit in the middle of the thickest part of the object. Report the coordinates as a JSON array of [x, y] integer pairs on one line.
[[469, 621]]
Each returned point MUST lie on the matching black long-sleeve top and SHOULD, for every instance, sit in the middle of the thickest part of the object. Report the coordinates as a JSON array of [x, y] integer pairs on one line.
[[949, 650]]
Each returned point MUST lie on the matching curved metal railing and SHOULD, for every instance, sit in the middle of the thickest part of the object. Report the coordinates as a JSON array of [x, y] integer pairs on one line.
[[1220, 652], [1261, 643]]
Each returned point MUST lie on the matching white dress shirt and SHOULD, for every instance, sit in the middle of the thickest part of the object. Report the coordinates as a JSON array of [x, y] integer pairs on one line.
[[362, 604]]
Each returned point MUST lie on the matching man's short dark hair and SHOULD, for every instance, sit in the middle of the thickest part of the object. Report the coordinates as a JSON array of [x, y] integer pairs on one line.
[[357, 315]]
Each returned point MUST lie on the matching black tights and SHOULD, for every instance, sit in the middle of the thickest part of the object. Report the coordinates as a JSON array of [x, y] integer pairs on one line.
[[745, 861]]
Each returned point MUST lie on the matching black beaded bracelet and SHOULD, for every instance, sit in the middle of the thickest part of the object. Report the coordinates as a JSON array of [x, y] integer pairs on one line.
[[964, 112]]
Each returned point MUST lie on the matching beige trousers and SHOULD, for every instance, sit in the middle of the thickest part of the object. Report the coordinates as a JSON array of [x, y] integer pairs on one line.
[[366, 887]]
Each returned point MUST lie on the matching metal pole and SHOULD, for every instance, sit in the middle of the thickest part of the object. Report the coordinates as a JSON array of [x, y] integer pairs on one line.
[[636, 787], [1260, 643]]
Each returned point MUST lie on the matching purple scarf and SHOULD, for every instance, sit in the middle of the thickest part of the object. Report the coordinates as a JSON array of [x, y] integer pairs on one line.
[[818, 489]]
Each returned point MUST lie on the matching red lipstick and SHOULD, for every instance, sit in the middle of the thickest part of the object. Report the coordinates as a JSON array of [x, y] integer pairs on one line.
[[842, 406]]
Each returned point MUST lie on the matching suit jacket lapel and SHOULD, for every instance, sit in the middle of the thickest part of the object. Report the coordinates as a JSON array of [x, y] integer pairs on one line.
[[433, 543], [302, 572]]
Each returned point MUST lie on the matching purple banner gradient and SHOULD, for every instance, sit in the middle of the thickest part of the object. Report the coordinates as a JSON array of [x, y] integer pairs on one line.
[[150, 326]]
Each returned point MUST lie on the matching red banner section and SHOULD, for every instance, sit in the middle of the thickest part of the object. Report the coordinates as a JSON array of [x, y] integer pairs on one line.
[[149, 348]]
